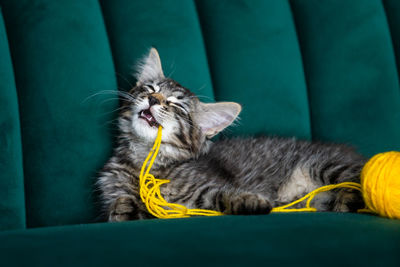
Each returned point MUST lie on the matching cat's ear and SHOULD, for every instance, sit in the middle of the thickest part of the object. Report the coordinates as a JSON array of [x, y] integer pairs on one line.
[[214, 117], [149, 68]]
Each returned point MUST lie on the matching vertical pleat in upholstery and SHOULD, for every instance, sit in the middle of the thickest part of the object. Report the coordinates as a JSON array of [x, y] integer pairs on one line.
[[392, 8], [61, 57], [255, 60], [351, 73], [169, 25], [12, 202]]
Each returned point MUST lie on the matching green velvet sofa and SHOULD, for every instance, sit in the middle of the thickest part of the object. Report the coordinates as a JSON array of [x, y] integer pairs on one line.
[[315, 69]]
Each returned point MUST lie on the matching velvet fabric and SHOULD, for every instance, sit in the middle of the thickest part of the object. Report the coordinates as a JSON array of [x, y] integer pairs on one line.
[[317, 70], [351, 73], [319, 239], [169, 25], [255, 60], [12, 203], [392, 9], [62, 64]]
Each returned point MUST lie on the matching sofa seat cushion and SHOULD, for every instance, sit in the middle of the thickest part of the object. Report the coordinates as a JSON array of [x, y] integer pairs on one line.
[[285, 239]]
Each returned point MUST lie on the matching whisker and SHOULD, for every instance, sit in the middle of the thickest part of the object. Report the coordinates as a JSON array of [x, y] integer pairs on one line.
[[124, 78], [96, 94], [113, 122], [124, 95], [202, 97], [112, 111], [172, 68], [108, 99]]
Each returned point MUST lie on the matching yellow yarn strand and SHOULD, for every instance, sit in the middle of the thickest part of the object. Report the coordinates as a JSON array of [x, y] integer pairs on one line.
[[150, 191], [380, 185], [310, 196]]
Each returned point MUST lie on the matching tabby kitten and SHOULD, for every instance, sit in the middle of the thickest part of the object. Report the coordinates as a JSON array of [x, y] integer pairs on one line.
[[236, 176]]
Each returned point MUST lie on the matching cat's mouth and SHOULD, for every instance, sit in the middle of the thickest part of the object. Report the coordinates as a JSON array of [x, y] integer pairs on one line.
[[148, 116]]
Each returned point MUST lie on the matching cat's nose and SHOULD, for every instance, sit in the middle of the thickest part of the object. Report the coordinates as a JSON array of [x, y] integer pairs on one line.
[[153, 100]]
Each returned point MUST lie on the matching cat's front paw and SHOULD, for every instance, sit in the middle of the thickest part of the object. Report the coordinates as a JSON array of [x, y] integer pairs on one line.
[[247, 204], [123, 209], [348, 200]]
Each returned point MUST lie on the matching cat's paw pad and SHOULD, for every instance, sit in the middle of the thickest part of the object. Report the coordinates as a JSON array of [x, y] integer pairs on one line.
[[249, 204], [123, 209]]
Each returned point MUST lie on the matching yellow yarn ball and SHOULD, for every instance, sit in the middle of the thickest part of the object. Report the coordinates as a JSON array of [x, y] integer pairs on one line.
[[380, 181]]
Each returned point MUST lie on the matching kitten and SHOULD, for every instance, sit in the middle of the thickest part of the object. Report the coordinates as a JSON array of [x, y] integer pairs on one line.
[[236, 176]]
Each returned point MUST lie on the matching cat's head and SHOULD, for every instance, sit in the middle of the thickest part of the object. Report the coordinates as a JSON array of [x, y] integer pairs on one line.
[[187, 122]]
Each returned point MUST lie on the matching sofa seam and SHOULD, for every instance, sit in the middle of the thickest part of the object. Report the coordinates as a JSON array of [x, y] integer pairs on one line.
[[205, 47], [305, 76], [392, 42], [10, 52]]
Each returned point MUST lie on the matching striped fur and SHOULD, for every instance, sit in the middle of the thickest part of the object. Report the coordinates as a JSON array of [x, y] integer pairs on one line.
[[235, 176]]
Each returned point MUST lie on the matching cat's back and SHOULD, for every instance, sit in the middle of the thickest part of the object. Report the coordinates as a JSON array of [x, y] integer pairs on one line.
[[256, 149], [254, 156], [274, 156], [264, 148]]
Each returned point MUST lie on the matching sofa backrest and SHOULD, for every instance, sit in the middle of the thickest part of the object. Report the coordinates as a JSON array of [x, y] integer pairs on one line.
[[12, 202], [317, 70]]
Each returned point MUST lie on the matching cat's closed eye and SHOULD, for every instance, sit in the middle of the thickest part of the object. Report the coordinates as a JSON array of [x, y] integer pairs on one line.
[[174, 99], [149, 88]]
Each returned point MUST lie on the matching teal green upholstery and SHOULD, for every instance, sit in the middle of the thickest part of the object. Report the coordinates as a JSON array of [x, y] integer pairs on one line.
[[323, 70], [275, 240], [170, 26], [256, 61], [392, 9], [351, 73], [12, 203], [61, 59]]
